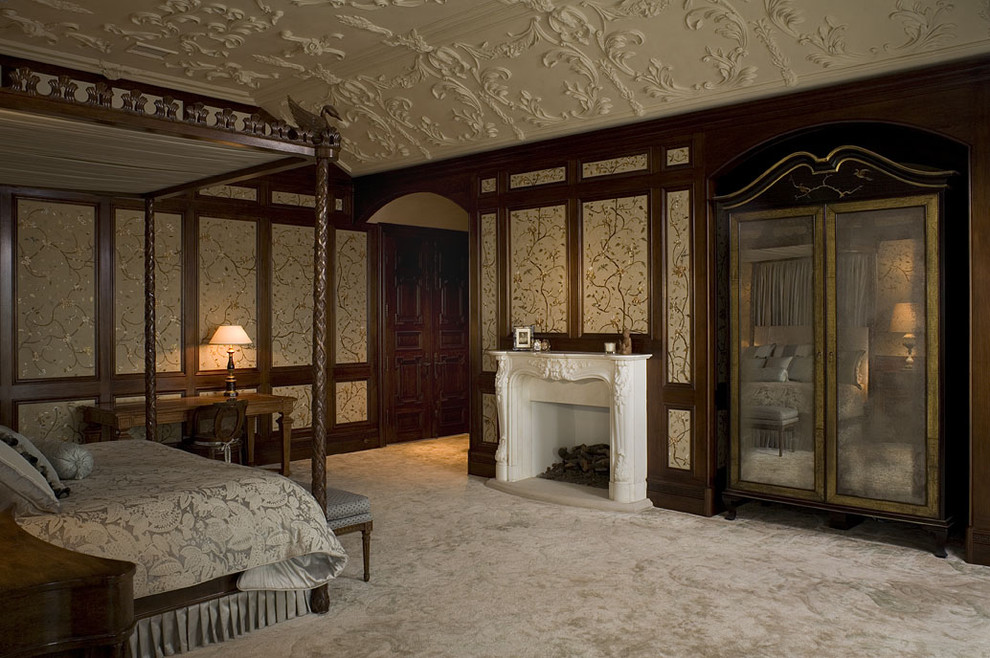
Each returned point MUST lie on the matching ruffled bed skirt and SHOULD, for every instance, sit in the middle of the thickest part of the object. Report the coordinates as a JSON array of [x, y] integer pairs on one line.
[[211, 622]]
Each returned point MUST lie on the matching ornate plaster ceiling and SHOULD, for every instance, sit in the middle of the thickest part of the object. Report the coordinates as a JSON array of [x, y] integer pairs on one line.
[[426, 79]]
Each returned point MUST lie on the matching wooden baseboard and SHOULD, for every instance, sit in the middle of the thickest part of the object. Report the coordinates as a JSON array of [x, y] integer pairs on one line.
[[681, 498], [481, 464], [978, 546]]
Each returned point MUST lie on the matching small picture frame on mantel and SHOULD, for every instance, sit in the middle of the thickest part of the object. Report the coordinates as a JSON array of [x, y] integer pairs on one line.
[[522, 338]]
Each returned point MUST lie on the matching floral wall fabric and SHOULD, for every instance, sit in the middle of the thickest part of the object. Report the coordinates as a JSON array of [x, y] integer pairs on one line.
[[352, 402], [231, 192], [293, 199], [539, 177], [228, 284], [129, 291], [539, 268], [351, 297], [677, 265], [489, 290], [616, 272], [614, 166], [302, 410], [52, 420], [679, 439], [56, 289], [292, 295]]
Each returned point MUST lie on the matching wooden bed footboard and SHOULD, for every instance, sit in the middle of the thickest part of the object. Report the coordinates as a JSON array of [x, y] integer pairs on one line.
[[57, 601]]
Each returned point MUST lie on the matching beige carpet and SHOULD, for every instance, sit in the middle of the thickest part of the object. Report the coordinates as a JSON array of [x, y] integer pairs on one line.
[[460, 569]]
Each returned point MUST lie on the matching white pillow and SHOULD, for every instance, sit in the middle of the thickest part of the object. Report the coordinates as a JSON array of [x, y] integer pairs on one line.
[[23, 486], [70, 460], [33, 456]]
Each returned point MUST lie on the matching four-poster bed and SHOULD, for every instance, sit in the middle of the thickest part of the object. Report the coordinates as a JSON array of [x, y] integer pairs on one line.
[[138, 129]]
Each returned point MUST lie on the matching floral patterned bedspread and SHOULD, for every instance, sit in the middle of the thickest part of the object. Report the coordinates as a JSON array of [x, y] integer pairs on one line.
[[184, 519]]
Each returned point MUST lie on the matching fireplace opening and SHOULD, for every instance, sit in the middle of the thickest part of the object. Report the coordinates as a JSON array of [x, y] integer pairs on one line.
[[581, 464]]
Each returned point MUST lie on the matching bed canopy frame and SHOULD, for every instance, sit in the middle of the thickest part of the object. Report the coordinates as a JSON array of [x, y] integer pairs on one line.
[[62, 114]]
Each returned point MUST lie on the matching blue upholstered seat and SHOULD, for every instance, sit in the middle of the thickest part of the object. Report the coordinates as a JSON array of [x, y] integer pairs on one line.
[[350, 512]]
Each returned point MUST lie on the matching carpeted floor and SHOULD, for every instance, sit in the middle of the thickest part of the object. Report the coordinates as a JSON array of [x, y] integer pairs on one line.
[[459, 569]]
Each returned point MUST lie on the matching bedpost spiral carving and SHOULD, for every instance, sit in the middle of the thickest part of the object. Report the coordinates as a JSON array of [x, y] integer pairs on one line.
[[327, 140], [150, 339], [319, 486]]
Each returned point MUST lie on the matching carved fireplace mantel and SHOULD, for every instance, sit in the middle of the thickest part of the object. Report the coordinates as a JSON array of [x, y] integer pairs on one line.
[[617, 382]]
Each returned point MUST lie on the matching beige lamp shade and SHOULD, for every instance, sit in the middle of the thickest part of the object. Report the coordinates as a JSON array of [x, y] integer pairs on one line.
[[904, 319], [230, 334]]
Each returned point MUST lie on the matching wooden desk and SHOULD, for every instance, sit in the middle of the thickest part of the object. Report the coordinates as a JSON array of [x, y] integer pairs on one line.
[[108, 422]]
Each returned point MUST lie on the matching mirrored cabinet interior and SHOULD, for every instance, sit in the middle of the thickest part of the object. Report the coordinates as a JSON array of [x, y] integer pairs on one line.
[[835, 339]]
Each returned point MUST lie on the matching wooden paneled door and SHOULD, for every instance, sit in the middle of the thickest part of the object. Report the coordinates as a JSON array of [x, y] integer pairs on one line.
[[425, 280]]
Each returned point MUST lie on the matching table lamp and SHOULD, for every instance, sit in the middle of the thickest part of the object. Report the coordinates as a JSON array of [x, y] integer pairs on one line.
[[904, 320], [230, 335]]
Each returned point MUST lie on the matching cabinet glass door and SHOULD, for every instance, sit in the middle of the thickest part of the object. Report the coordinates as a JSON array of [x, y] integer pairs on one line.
[[882, 432], [776, 332]]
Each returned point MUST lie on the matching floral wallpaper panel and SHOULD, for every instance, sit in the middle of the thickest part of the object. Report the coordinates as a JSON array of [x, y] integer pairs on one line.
[[129, 291], [678, 274], [616, 269], [489, 290], [302, 410], [678, 156], [614, 166], [539, 268], [351, 297], [293, 199], [538, 177], [52, 420], [352, 402], [231, 192], [679, 439], [292, 295], [228, 284], [56, 289], [489, 422], [489, 185]]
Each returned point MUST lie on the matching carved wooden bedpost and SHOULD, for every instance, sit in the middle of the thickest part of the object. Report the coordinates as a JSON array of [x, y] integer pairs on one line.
[[150, 339], [327, 141]]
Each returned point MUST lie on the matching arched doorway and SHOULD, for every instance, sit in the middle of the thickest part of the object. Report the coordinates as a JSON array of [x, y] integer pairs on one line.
[[424, 317]]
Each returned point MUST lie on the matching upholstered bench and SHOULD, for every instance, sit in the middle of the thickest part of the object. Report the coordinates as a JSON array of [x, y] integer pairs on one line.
[[779, 421], [350, 512]]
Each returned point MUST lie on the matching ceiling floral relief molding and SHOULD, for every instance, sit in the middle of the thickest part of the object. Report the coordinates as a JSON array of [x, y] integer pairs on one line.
[[420, 79]]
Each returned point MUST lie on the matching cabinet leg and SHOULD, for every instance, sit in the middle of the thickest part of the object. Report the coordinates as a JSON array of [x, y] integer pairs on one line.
[[941, 536], [843, 521], [731, 503]]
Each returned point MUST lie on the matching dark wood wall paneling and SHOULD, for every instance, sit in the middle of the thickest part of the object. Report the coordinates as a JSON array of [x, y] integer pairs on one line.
[[950, 99], [107, 386]]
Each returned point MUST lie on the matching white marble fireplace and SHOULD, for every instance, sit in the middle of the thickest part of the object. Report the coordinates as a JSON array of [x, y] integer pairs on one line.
[[525, 381]]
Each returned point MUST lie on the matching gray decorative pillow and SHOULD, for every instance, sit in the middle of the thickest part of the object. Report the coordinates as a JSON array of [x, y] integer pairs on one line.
[[26, 449], [71, 460], [802, 369], [750, 368], [778, 362], [769, 374], [22, 486], [758, 351]]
